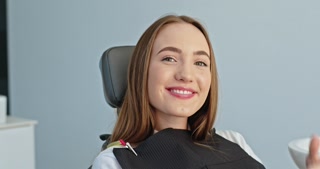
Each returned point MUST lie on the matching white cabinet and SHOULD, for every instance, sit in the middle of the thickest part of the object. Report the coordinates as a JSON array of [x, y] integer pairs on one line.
[[17, 146]]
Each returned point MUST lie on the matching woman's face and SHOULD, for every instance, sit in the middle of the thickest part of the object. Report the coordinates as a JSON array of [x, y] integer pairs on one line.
[[179, 74]]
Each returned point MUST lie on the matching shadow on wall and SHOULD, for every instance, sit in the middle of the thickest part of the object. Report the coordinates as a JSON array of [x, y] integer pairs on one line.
[[3, 52]]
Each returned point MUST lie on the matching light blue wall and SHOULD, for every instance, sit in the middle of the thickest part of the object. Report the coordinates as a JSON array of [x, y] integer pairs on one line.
[[267, 54]]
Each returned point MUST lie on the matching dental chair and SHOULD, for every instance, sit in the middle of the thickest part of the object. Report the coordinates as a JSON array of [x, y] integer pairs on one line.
[[114, 66]]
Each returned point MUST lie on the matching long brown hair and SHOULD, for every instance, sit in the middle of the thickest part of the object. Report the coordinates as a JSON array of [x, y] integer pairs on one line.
[[135, 119]]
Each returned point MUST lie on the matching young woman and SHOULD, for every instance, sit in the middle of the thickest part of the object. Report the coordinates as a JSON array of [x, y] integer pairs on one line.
[[170, 106]]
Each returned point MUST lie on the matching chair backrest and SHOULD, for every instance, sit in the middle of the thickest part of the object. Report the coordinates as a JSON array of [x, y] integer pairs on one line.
[[114, 66]]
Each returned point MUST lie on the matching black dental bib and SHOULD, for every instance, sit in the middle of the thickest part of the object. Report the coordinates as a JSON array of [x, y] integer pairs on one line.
[[174, 149]]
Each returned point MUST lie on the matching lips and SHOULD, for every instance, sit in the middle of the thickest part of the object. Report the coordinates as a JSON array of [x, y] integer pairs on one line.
[[182, 93]]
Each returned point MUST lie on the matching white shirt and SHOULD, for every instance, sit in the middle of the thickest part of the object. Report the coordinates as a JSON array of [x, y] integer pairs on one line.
[[107, 160]]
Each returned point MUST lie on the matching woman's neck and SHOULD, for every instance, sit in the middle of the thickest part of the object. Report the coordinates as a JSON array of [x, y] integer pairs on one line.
[[173, 122]]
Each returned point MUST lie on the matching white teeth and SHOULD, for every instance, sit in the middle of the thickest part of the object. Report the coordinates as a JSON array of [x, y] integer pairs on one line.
[[181, 91]]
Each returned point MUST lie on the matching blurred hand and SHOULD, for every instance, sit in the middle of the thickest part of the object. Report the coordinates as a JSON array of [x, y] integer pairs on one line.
[[313, 160]]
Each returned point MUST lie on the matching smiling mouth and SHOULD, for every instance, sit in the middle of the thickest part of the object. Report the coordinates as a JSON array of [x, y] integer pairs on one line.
[[186, 92], [181, 93]]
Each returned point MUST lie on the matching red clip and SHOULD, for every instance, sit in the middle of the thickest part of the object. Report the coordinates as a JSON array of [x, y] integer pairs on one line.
[[127, 145]]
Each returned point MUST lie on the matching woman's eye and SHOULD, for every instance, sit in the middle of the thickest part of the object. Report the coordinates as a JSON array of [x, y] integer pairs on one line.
[[168, 59], [199, 63]]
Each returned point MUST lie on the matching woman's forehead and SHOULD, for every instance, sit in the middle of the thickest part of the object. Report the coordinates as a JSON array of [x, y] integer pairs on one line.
[[181, 35]]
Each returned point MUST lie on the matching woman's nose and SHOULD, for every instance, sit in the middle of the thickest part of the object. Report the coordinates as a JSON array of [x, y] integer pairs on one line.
[[184, 73]]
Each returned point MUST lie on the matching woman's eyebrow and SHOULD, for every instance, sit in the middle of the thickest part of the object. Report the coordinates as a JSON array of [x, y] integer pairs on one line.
[[177, 50], [170, 48], [201, 52]]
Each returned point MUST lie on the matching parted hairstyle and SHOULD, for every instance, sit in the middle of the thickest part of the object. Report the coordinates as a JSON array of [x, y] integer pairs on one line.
[[136, 121]]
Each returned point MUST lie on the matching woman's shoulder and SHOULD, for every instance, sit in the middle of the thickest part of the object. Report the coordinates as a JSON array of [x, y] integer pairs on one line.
[[231, 135], [237, 138], [106, 160]]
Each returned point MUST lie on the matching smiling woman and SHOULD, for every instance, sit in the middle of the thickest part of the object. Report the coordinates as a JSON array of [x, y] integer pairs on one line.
[[170, 106], [167, 45]]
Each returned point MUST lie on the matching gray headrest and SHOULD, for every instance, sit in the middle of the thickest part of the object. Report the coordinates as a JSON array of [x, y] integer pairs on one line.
[[114, 65]]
